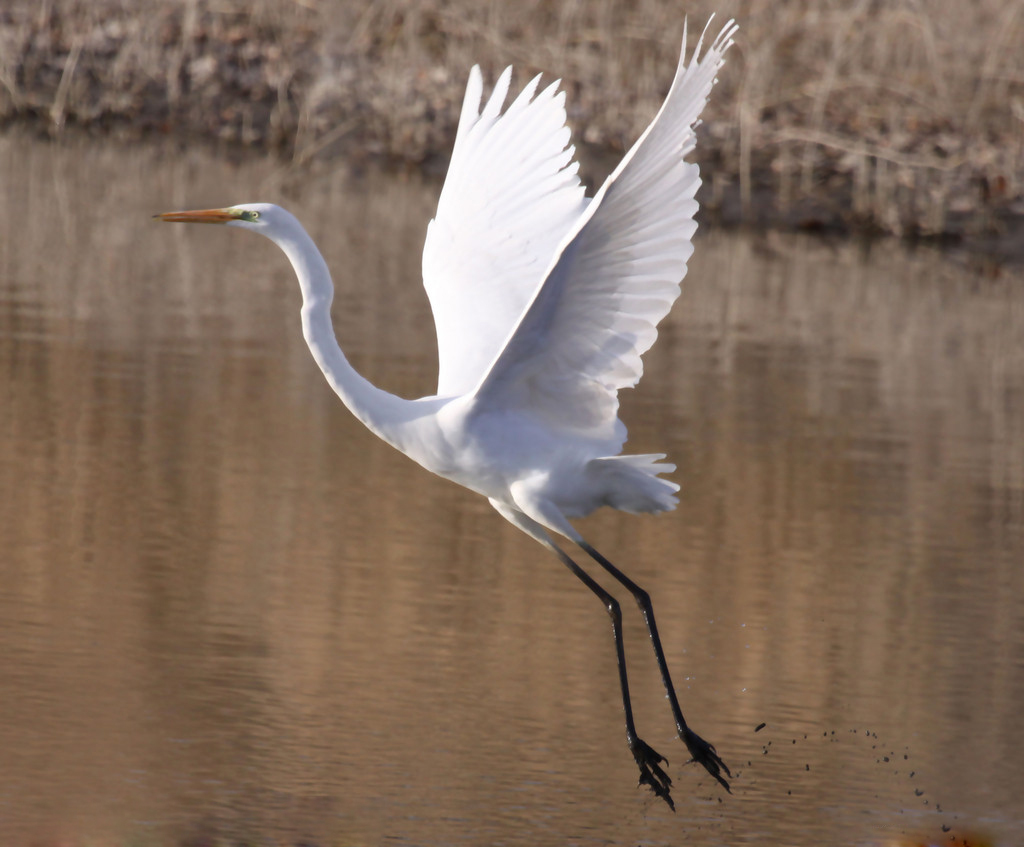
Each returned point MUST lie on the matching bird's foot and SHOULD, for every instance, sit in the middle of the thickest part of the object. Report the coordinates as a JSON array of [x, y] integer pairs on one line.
[[651, 773], [704, 754]]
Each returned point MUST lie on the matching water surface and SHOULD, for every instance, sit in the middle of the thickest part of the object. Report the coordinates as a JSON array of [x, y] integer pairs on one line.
[[227, 611]]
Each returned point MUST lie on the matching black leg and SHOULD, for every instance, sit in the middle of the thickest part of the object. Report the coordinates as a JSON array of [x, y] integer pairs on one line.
[[702, 752], [647, 759]]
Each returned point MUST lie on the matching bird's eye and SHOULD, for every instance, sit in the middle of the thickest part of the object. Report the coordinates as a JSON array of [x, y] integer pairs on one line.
[[252, 216]]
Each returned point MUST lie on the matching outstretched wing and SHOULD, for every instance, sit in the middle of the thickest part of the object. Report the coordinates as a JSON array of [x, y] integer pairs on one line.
[[616, 275], [510, 196]]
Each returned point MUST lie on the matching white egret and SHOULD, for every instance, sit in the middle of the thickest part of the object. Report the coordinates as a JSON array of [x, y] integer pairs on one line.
[[543, 302]]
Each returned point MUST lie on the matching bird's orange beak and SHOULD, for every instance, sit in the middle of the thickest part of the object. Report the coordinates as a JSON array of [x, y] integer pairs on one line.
[[200, 216]]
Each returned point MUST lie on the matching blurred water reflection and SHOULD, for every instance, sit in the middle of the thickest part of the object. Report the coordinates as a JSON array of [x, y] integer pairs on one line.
[[226, 609]]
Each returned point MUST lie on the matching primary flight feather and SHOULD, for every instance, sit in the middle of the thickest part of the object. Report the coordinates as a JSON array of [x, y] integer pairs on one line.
[[544, 303]]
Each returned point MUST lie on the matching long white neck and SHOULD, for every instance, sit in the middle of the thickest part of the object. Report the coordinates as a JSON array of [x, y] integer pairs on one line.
[[390, 417]]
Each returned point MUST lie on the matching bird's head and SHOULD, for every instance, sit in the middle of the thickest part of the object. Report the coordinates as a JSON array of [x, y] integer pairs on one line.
[[261, 217]]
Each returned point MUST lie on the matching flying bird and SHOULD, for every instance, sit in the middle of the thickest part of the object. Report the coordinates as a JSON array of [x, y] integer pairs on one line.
[[544, 302]]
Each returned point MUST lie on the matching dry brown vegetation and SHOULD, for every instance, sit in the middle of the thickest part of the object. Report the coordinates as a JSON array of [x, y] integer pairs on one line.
[[904, 116]]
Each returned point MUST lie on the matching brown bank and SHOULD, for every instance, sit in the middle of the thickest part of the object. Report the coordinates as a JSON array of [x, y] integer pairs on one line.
[[900, 118]]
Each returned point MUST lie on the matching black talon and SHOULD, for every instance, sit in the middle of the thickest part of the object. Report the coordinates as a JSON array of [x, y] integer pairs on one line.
[[704, 754], [651, 773]]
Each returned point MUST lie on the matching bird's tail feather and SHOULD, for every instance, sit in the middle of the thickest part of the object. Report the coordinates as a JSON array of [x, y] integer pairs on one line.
[[633, 484]]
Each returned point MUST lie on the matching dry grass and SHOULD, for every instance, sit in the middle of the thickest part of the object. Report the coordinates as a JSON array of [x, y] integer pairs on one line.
[[904, 116]]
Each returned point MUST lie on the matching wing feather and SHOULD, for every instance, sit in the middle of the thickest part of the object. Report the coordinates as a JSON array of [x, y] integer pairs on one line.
[[510, 196], [615, 275]]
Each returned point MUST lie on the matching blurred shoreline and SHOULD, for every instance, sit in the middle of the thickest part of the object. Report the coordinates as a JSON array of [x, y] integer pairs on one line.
[[849, 118]]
